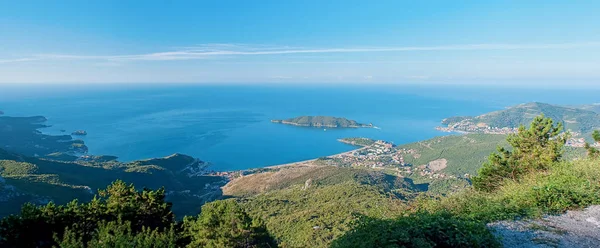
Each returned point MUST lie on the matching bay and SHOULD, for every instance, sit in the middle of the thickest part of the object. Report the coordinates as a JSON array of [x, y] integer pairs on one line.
[[229, 125]]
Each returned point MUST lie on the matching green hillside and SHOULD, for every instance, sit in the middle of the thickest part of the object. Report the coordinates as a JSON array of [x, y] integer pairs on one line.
[[28, 179], [21, 135], [591, 107], [464, 153], [39, 168], [312, 206], [322, 121], [583, 120]]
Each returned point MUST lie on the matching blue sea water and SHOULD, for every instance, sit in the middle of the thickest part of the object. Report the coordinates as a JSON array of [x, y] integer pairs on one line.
[[229, 125]]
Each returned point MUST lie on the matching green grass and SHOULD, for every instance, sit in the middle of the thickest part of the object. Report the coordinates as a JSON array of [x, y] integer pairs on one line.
[[567, 185], [12, 168], [316, 216], [465, 153], [319, 176]]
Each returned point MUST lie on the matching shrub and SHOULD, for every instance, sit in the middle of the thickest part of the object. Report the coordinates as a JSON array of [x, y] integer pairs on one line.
[[564, 186], [422, 229]]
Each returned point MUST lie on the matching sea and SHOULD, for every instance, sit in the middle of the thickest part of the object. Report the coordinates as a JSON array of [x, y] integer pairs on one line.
[[229, 125]]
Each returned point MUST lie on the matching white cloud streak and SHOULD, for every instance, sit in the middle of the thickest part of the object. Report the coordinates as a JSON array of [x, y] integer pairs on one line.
[[211, 51]]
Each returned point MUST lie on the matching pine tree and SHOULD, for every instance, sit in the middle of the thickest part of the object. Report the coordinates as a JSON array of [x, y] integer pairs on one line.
[[225, 224], [533, 149]]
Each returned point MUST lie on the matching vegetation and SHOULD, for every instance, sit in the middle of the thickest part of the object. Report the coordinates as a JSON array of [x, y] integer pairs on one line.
[[20, 135], [440, 229], [314, 176], [120, 216], [321, 121], [358, 141], [564, 186], [464, 153], [316, 216], [592, 151], [533, 149], [42, 180], [592, 107], [310, 206], [573, 118], [225, 224]]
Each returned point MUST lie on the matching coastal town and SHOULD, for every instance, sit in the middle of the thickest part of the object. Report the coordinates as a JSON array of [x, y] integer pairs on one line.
[[467, 126], [384, 155]]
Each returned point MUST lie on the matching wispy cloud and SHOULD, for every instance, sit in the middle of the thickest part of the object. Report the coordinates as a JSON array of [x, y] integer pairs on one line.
[[211, 51], [9, 61]]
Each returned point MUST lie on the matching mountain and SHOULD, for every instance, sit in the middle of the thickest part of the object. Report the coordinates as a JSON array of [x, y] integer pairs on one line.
[[591, 107], [39, 168], [21, 135], [582, 120], [322, 121], [39, 180]]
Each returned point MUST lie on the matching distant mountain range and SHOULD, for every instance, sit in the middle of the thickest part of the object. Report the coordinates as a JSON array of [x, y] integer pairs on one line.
[[322, 121]]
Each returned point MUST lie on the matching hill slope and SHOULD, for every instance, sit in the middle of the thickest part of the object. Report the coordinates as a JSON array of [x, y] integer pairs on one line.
[[310, 206], [575, 119], [28, 179]]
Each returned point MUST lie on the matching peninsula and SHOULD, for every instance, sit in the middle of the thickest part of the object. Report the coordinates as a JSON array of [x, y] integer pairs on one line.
[[322, 121]]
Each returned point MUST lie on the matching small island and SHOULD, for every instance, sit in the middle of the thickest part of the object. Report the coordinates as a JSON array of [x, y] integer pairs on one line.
[[79, 133], [322, 121], [358, 141]]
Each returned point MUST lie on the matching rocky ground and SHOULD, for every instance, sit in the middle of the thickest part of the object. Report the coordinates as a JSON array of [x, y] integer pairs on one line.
[[572, 229]]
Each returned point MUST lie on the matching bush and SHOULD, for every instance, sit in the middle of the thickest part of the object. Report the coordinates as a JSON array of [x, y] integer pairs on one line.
[[564, 186], [119, 234], [422, 229]]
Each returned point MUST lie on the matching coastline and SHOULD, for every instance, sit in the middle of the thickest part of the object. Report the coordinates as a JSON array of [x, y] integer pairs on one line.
[[309, 161]]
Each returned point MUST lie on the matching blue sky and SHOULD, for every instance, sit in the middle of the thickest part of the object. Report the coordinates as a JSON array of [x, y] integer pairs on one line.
[[550, 43]]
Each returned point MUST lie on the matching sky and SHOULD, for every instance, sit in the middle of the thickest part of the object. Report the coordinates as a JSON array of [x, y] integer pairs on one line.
[[545, 43]]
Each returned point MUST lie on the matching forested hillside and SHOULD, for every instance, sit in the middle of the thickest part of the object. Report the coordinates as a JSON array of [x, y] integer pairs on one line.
[[578, 119]]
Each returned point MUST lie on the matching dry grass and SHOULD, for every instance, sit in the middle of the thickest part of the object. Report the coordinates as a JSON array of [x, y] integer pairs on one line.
[[261, 182]]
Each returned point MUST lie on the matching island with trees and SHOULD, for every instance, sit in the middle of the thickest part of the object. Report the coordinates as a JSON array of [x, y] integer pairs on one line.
[[322, 121]]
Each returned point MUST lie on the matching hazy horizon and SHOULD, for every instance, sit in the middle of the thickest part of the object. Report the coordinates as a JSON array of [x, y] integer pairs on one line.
[[510, 43]]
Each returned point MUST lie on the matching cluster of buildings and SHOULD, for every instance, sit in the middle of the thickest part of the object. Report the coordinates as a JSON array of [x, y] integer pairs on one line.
[[470, 127], [379, 154]]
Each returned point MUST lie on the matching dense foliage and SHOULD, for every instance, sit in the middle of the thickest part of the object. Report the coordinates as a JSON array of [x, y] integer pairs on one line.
[[226, 224], [440, 229], [120, 216], [533, 149], [592, 151]]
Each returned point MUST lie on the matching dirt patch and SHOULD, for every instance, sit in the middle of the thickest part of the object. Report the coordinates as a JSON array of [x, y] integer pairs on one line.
[[572, 229], [438, 164]]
